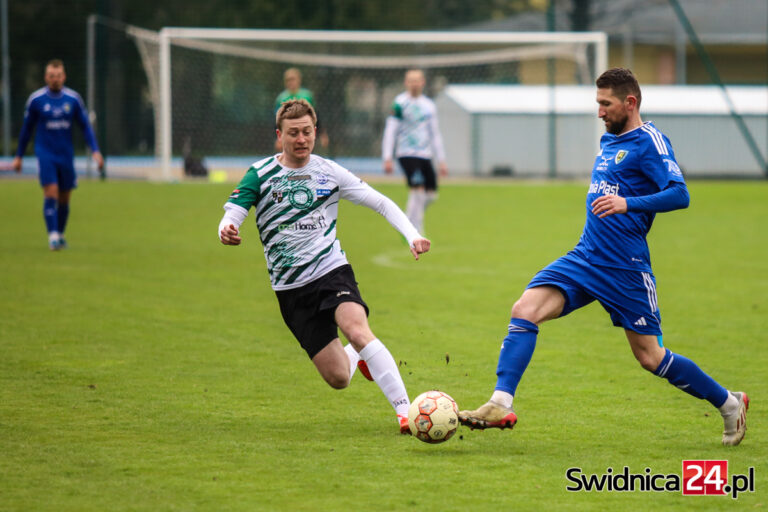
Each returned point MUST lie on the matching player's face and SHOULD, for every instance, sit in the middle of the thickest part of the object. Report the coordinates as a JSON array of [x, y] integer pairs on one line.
[[54, 78], [292, 82], [414, 82], [612, 110], [298, 139]]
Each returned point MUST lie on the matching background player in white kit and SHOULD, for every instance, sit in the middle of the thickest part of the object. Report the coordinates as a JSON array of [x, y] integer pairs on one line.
[[413, 134], [296, 195]]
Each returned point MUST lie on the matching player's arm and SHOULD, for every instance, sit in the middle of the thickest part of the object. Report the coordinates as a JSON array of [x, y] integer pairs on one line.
[[30, 120], [236, 208], [81, 115], [388, 140], [229, 227], [674, 197], [357, 191]]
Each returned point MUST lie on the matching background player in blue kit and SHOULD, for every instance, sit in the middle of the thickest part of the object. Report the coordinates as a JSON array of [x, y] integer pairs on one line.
[[634, 177], [51, 110]]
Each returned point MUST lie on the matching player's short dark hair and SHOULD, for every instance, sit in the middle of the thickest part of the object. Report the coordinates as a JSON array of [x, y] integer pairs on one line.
[[622, 83], [55, 63], [294, 109]]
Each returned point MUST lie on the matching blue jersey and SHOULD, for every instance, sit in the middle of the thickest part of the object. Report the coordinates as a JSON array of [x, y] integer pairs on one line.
[[53, 114], [637, 163]]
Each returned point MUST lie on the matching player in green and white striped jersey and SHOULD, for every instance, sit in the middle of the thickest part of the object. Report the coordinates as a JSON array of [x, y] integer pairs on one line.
[[413, 134], [295, 195]]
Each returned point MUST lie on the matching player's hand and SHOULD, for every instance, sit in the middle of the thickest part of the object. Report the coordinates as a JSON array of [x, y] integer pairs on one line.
[[420, 246], [607, 205], [16, 164], [388, 167], [229, 235], [443, 169], [99, 159]]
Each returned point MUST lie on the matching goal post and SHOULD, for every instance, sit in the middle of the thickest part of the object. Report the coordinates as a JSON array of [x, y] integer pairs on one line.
[[216, 84]]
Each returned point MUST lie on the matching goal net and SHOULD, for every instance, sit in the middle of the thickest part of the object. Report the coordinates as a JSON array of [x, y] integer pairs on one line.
[[213, 91]]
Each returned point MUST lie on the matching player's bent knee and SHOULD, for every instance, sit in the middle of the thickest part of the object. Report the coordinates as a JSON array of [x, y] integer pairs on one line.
[[358, 335], [337, 380], [525, 310], [648, 361]]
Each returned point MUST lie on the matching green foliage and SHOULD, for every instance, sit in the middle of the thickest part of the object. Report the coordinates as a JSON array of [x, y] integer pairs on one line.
[[147, 367]]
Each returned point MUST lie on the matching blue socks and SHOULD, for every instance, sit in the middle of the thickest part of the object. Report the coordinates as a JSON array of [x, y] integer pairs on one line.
[[63, 215], [516, 353], [517, 350], [50, 214], [683, 373]]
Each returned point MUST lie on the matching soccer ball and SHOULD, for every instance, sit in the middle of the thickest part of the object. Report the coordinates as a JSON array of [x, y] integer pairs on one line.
[[433, 417]]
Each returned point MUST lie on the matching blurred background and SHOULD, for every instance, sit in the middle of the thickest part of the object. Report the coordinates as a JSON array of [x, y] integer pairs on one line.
[[507, 107]]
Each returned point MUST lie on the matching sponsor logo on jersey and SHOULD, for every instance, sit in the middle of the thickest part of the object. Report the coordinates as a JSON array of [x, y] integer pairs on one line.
[[59, 124], [603, 187], [315, 221], [339, 294], [672, 167], [277, 196], [299, 177], [603, 165], [235, 194], [322, 192], [322, 179], [621, 155], [641, 322], [301, 197]]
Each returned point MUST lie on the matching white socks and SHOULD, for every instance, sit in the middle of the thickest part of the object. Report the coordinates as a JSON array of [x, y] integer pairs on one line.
[[384, 371], [730, 405], [417, 200], [353, 356], [429, 198], [502, 398]]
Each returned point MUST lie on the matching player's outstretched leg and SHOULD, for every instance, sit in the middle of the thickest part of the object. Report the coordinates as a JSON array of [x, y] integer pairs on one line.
[[352, 320], [687, 376], [516, 352], [384, 371], [735, 418]]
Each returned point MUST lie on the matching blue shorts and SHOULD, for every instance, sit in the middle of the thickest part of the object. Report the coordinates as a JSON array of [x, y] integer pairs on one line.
[[629, 296], [61, 172]]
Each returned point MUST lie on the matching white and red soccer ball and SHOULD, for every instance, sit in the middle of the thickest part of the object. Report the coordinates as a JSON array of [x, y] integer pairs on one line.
[[433, 417]]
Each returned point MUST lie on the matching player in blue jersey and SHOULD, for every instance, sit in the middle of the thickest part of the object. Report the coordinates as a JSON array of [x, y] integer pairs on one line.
[[52, 110], [634, 177]]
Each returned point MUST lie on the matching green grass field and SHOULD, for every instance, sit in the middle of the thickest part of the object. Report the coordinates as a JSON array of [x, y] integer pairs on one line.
[[147, 367]]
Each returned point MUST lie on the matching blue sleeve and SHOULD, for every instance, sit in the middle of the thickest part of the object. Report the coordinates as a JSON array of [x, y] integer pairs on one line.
[[81, 114], [674, 197], [30, 120]]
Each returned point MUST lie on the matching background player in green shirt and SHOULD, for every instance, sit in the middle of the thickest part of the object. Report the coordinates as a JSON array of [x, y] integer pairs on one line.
[[294, 91]]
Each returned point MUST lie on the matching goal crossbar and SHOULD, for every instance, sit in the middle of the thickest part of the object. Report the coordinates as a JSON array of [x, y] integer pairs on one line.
[[223, 41]]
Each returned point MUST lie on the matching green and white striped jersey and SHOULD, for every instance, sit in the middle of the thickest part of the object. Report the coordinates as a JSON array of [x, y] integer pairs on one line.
[[412, 129], [296, 213]]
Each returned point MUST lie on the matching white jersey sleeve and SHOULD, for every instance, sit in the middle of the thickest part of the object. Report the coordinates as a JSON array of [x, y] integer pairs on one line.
[[388, 141], [357, 191], [233, 214]]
